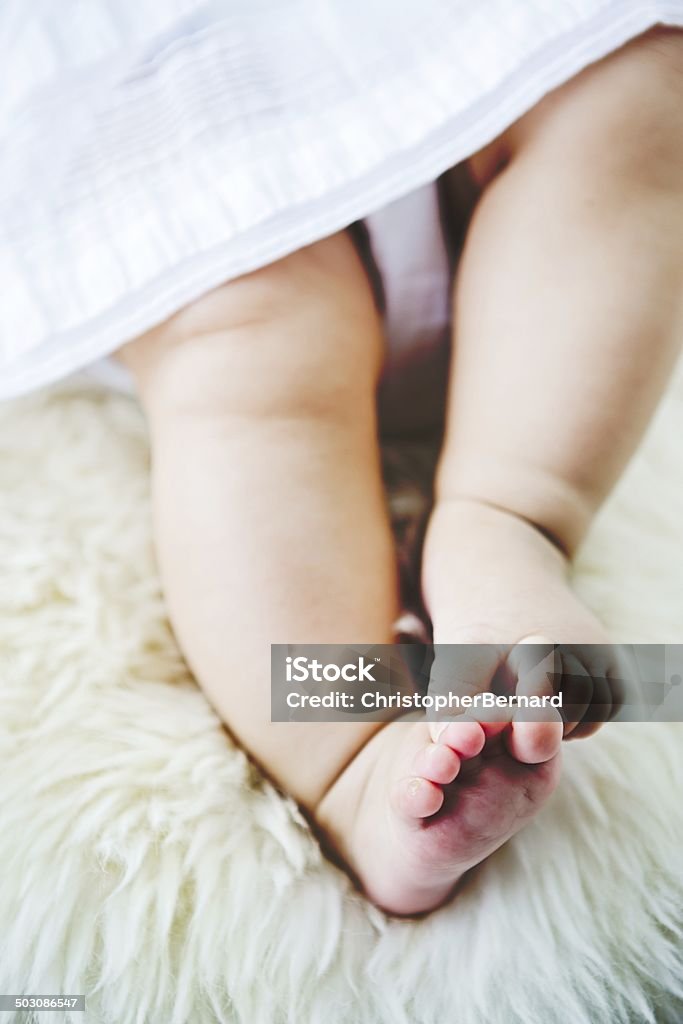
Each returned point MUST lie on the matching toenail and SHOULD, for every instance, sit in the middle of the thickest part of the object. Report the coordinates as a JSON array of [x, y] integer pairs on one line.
[[414, 786]]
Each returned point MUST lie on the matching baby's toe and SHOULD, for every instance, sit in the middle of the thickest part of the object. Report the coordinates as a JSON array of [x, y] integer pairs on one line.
[[465, 736], [532, 742], [595, 684], [438, 763], [417, 797]]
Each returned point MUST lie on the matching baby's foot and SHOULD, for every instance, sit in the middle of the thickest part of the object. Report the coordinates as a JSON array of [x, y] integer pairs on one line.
[[491, 578], [410, 816]]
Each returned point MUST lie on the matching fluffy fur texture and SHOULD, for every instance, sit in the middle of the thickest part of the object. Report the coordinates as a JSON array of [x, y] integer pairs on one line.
[[146, 863]]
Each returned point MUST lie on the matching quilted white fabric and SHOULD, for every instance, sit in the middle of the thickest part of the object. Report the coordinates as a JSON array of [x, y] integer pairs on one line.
[[152, 149]]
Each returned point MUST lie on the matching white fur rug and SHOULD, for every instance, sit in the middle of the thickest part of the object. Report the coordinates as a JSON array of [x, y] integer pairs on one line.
[[145, 863]]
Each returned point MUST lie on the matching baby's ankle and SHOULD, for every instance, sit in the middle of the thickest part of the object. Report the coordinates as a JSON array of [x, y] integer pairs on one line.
[[487, 515], [470, 544], [558, 507], [483, 518]]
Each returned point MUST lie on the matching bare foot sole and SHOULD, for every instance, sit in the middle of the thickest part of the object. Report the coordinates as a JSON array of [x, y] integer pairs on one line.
[[410, 816], [501, 583]]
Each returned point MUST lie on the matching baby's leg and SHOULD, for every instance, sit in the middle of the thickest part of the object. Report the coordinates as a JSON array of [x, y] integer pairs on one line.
[[270, 522], [569, 310], [271, 527]]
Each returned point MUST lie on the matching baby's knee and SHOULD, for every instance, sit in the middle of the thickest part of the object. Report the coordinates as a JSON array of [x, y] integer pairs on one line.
[[621, 120], [299, 337]]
